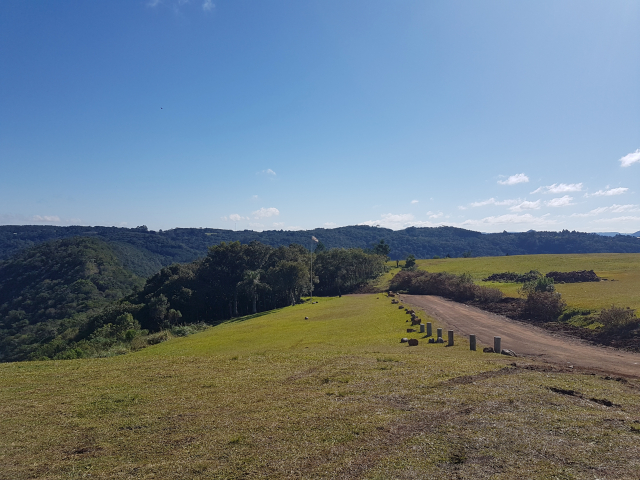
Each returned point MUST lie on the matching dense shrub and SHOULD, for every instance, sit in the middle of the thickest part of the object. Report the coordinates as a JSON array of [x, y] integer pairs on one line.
[[543, 306], [618, 318], [488, 295], [456, 287]]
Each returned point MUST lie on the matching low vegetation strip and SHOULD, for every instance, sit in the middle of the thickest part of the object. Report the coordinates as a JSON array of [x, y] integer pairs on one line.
[[334, 396], [542, 304], [621, 270]]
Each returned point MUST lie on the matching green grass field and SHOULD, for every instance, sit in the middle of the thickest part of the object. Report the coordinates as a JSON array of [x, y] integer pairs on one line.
[[335, 396], [621, 269]]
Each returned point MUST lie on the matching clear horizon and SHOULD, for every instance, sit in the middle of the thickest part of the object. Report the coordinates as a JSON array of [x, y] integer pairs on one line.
[[487, 116]]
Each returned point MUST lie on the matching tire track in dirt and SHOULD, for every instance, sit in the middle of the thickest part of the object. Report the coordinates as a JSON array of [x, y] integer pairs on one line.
[[525, 339]]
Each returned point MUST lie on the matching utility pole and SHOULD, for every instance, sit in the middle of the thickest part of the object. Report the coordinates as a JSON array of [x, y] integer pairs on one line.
[[313, 239]]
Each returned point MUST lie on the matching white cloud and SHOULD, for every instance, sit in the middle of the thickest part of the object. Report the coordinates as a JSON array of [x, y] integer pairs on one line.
[[493, 201], [559, 188], [619, 219], [511, 219], [46, 218], [630, 159], [236, 218], [560, 201], [399, 221], [613, 209], [278, 224], [435, 215], [256, 226], [526, 205], [330, 225], [266, 212], [609, 192], [413, 202], [268, 172], [208, 5], [294, 228], [514, 179]]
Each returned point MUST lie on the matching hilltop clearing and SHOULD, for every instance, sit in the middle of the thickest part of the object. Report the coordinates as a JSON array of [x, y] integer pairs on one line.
[[334, 396]]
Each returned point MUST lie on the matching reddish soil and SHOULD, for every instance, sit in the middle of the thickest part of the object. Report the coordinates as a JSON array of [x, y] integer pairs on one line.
[[525, 339]]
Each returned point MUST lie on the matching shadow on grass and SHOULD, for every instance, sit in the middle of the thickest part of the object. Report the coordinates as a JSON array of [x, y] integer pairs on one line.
[[249, 317]]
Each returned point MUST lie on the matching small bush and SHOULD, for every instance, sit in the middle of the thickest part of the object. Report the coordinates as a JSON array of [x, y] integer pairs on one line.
[[488, 295], [540, 284], [543, 306], [618, 318], [156, 338]]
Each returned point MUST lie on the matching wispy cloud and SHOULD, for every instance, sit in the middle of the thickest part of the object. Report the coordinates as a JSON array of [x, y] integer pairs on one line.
[[608, 192], [278, 224], [526, 205], [234, 217], [620, 219], [330, 225], [267, 172], [208, 5], [46, 218], [560, 202], [413, 202], [559, 188], [493, 201], [435, 215], [514, 179], [399, 221], [266, 212], [153, 3], [511, 219], [612, 209], [630, 159], [20, 219]]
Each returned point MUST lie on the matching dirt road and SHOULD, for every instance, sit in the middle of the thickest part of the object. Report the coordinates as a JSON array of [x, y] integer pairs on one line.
[[526, 340]]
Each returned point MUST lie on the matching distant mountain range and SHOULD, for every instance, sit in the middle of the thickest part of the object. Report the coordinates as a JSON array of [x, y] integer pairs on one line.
[[144, 251], [613, 234]]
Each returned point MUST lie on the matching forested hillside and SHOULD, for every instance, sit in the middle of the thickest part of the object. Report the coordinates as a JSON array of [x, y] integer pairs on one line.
[[51, 288], [144, 251], [74, 298]]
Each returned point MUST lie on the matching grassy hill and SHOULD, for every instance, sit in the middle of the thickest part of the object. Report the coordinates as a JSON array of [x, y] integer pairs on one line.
[[334, 396], [622, 272]]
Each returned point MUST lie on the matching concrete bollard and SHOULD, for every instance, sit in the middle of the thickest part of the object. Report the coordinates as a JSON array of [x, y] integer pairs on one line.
[[450, 338], [429, 331], [439, 335], [422, 328], [472, 342], [496, 344]]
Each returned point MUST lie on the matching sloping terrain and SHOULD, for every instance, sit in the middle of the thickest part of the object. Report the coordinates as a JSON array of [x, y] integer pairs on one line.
[[525, 339], [332, 396], [46, 290], [187, 244]]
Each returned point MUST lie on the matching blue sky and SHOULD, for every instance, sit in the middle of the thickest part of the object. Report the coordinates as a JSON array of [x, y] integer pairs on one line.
[[493, 115]]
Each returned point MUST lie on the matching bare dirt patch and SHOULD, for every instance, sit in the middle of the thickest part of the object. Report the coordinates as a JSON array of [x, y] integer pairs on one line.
[[525, 339]]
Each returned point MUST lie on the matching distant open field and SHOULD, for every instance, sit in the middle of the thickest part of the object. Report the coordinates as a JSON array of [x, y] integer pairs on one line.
[[335, 396], [622, 271]]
